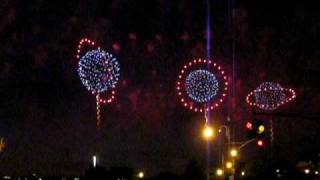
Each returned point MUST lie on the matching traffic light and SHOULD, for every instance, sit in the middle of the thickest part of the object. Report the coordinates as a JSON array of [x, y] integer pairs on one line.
[[250, 130], [259, 127], [260, 143], [249, 126], [255, 129]]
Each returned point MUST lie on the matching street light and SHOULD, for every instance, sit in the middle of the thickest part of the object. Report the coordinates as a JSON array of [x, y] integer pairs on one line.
[[229, 165], [207, 132], [233, 153], [140, 175], [219, 172], [307, 171]]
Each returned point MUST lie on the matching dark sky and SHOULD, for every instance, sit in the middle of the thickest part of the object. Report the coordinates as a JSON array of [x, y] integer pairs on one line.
[[48, 117]]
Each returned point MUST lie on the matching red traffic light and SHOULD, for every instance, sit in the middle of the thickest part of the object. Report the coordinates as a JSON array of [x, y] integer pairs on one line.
[[260, 143], [249, 126]]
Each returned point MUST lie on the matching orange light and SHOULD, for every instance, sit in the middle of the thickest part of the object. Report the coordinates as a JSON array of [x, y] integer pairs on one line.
[[229, 165], [233, 153], [207, 132], [2, 144], [219, 172]]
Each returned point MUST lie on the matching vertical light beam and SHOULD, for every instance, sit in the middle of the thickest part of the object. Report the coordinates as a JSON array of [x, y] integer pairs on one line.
[[208, 54]]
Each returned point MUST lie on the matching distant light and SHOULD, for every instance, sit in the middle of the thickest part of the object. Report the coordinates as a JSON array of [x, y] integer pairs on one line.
[[233, 153], [229, 165], [141, 175], [316, 172], [278, 170], [219, 172], [132, 36], [307, 171], [243, 173], [158, 37], [2, 144], [94, 159], [116, 46], [6, 177]]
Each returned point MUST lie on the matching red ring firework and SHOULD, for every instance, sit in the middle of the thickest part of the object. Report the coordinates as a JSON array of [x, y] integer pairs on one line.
[[109, 95], [91, 75], [216, 70]]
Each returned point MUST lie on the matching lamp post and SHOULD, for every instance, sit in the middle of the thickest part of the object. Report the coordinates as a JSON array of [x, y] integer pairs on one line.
[[227, 132], [208, 133], [229, 165], [227, 129]]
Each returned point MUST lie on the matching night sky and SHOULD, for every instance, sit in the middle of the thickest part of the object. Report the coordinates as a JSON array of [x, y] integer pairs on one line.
[[48, 117]]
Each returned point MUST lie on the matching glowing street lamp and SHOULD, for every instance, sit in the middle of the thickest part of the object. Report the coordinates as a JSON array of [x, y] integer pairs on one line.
[[140, 175], [307, 171], [233, 153], [219, 172], [208, 133], [229, 165]]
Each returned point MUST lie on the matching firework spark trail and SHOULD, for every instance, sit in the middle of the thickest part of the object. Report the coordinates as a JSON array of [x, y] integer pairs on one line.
[[99, 72], [98, 111]]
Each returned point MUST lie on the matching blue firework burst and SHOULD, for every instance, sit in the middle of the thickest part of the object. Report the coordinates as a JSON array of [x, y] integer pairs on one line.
[[98, 70], [269, 95], [201, 85]]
